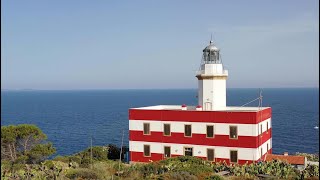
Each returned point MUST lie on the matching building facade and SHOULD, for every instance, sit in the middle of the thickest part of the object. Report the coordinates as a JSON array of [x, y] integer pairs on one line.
[[211, 130]]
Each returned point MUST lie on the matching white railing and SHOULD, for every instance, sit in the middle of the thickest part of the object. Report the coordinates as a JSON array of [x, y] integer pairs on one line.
[[224, 72]]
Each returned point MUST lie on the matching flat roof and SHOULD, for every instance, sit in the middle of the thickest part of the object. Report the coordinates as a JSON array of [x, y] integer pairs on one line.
[[193, 108]]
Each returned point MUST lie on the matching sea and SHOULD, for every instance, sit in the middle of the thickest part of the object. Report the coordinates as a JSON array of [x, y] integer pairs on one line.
[[72, 118]]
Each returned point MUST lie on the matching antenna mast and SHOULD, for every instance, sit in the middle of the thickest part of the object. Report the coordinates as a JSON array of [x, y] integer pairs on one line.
[[260, 106]]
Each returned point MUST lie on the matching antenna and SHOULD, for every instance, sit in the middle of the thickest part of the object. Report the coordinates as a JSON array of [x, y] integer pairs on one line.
[[260, 106], [260, 98], [212, 37]]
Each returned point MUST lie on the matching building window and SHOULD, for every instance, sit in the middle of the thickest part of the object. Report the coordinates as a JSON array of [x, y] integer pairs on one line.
[[146, 128], [210, 131], [233, 156], [167, 151], [187, 131], [166, 130], [261, 152], [146, 150], [261, 129], [210, 154], [267, 127], [233, 132], [267, 147], [188, 151]]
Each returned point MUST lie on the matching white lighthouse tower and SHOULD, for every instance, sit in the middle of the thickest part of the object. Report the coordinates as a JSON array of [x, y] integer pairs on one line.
[[212, 80]]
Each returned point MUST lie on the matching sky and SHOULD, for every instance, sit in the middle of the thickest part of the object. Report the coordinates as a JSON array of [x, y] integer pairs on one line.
[[81, 44]]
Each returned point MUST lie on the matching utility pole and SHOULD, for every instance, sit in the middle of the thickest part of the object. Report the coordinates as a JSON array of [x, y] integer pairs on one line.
[[91, 153], [121, 150]]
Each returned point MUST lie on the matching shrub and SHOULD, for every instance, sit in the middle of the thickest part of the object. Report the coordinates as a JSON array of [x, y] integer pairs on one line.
[[214, 177], [85, 163], [18, 166], [74, 158], [99, 153], [310, 171], [218, 166], [81, 173], [5, 164], [104, 169], [310, 157], [49, 164], [64, 159], [191, 165], [83, 158], [182, 175]]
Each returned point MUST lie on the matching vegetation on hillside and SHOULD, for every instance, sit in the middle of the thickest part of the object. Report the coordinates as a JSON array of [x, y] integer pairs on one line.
[[310, 157], [26, 153]]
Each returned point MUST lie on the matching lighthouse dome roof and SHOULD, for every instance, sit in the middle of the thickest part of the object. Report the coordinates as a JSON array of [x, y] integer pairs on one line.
[[211, 47]]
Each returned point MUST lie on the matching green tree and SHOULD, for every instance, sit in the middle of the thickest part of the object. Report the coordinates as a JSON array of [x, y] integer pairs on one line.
[[9, 143], [24, 143], [40, 152], [113, 152]]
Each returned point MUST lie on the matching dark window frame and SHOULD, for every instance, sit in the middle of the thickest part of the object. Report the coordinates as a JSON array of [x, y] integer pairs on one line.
[[213, 154], [232, 126], [164, 132], [144, 150], [164, 151], [185, 132], [212, 131], [231, 156], [144, 130]]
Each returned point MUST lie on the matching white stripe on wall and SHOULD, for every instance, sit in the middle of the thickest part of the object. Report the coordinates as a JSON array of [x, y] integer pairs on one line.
[[200, 127], [264, 125]]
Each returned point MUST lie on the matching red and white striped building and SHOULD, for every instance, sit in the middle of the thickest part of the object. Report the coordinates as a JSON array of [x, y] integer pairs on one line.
[[211, 130]]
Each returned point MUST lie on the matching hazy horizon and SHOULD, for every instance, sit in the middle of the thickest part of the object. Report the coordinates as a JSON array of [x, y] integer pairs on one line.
[[153, 89]]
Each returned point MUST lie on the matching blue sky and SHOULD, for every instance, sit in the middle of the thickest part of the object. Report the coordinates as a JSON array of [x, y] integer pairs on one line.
[[81, 44]]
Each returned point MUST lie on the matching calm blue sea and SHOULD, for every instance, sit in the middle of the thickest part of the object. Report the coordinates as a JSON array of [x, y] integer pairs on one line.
[[70, 118]]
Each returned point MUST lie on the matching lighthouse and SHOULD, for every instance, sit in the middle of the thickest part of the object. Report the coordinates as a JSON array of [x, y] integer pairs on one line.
[[210, 129], [212, 79]]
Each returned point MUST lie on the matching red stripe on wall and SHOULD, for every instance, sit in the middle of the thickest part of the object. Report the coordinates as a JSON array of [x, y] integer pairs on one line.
[[200, 139], [263, 115], [138, 157], [200, 116], [264, 137]]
